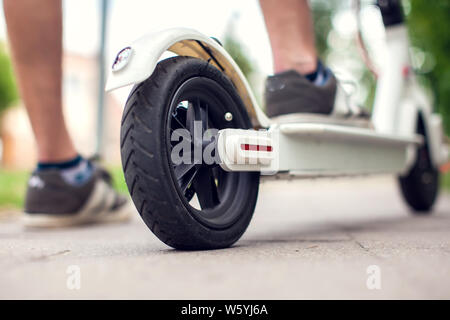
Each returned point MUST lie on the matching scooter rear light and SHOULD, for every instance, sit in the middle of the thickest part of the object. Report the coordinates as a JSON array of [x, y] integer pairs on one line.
[[256, 147]]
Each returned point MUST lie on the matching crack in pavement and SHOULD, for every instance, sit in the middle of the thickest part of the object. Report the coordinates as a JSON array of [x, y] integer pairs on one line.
[[46, 256], [359, 244], [23, 261]]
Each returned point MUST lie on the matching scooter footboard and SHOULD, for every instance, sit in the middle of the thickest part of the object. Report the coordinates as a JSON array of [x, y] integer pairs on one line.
[[309, 149]]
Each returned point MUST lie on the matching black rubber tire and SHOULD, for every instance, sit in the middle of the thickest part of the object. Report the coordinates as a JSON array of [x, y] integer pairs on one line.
[[420, 186], [147, 166]]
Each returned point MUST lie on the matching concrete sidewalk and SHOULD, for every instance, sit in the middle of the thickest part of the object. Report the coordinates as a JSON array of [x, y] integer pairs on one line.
[[308, 239]]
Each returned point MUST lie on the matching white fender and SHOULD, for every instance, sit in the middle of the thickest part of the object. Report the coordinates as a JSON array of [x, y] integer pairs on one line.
[[146, 51]]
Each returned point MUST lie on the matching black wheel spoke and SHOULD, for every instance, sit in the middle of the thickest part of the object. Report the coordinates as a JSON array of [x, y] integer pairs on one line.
[[197, 111], [179, 122], [181, 134], [218, 180], [179, 115], [204, 180], [215, 189], [206, 189], [202, 111], [190, 118], [182, 169], [187, 178]]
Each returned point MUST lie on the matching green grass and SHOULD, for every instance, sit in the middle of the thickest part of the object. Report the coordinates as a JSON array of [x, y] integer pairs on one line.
[[446, 181], [119, 179], [13, 186]]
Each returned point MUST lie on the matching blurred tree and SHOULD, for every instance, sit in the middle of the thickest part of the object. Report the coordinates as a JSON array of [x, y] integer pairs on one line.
[[323, 11], [8, 95], [234, 48], [8, 91], [429, 29], [237, 51]]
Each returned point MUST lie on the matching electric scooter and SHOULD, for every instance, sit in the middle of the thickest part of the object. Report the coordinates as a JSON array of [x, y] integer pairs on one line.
[[190, 203]]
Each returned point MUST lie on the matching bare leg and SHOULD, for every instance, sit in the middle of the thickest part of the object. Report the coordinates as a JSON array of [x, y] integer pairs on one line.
[[35, 34], [291, 34]]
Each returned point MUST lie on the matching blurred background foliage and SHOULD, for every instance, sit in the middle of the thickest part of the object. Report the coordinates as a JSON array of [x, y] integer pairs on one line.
[[429, 29], [235, 49], [8, 91]]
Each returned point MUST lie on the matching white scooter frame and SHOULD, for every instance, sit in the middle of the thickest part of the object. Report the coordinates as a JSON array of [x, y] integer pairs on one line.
[[307, 149]]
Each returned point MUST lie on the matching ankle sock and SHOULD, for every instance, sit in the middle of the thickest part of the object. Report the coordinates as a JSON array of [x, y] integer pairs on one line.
[[313, 75], [74, 172], [59, 165], [319, 76]]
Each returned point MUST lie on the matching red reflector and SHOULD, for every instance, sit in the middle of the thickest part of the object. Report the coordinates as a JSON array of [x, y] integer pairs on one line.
[[255, 147]]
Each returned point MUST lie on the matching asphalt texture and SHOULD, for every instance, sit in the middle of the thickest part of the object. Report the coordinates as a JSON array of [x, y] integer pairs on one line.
[[312, 239]]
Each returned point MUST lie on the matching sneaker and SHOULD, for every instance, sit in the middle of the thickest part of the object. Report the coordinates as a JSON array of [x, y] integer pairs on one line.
[[52, 202], [289, 94]]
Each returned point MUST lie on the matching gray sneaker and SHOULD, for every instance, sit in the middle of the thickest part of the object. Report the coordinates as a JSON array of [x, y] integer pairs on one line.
[[51, 202], [290, 93]]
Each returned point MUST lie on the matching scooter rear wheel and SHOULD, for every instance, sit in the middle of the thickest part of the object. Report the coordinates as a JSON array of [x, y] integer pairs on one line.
[[420, 186], [188, 205]]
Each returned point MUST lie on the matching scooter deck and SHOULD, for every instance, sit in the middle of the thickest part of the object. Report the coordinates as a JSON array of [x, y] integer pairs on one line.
[[312, 149], [346, 133]]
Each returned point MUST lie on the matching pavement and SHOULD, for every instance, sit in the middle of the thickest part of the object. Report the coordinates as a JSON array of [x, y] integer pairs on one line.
[[319, 239]]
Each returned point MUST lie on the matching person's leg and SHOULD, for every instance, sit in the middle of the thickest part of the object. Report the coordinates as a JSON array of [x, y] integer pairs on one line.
[[65, 189], [291, 35], [35, 35]]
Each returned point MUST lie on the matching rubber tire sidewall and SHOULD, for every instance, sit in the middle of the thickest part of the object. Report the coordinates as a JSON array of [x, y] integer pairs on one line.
[[416, 194]]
